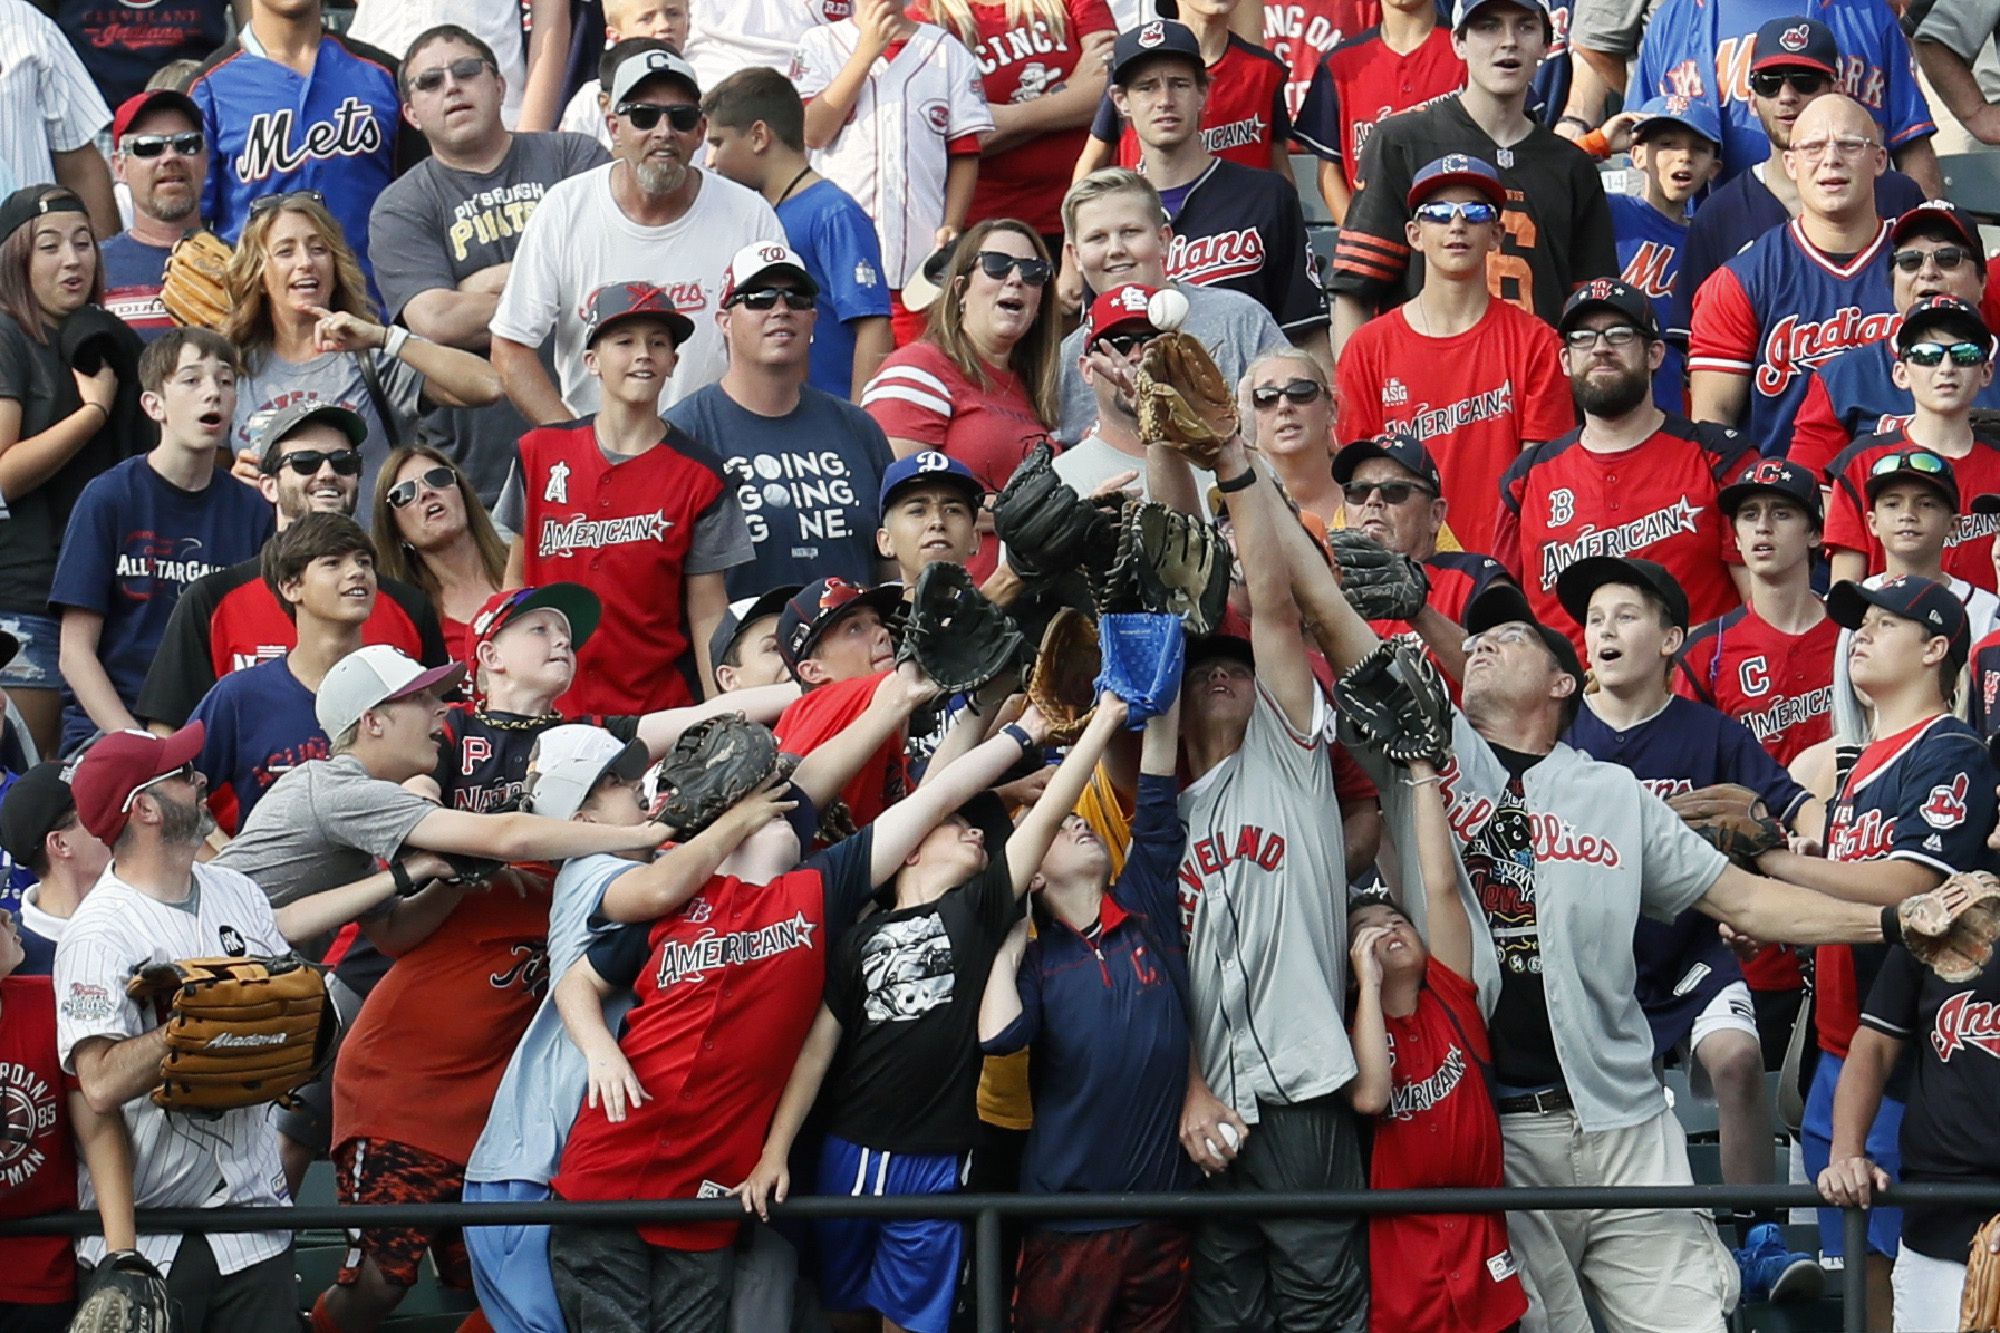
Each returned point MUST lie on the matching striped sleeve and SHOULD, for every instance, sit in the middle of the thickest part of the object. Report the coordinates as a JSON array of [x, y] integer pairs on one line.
[[91, 967], [72, 108], [909, 402]]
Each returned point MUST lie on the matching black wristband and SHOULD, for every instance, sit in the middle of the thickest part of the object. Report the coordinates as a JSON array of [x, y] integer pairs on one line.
[[1892, 926], [1235, 484], [1577, 121], [399, 872], [1020, 736]]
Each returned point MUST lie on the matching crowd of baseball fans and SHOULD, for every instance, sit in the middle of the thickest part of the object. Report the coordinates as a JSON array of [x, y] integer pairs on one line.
[[419, 418]]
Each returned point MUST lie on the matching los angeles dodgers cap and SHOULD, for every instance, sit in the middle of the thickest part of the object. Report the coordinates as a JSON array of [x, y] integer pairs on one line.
[[1910, 596], [1796, 43], [1405, 451], [1773, 476], [1610, 294], [1456, 169], [928, 467], [1576, 585], [1673, 109], [1148, 41]]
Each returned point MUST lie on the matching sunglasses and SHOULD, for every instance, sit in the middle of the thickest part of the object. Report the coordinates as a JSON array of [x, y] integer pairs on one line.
[[404, 493], [185, 773], [1933, 354], [1266, 396], [1946, 257], [271, 201], [997, 264], [1618, 335], [766, 298], [1125, 343], [1513, 632], [463, 70], [1912, 460], [306, 462], [152, 145], [1474, 211], [1771, 82], [1393, 492], [681, 116]]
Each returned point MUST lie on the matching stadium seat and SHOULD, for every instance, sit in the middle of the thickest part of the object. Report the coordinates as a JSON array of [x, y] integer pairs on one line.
[[1972, 181]]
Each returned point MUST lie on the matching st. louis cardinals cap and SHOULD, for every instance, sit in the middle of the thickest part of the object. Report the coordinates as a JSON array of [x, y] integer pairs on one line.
[[577, 605], [113, 770], [1151, 40], [616, 302], [1610, 294], [138, 104], [1502, 603], [1796, 43], [1457, 169], [928, 467], [1463, 10], [756, 259], [1933, 470], [636, 69], [1405, 451], [1580, 582], [1943, 314], [1909, 596], [1123, 307], [569, 760], [1937, 216], [814, 608], [743, 612], [1773, 476], [35, 806], [370, 677], [1692, 113]]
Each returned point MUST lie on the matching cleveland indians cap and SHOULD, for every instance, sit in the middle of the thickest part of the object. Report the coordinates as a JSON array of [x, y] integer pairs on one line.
[[928, 467], [1457, 169], [1148, 41], [656, 64], [1502, 603], [1937, 216], [1691, 113], [1613, 295], [569, 760], [1909, 596], [617, 302], [1946, 314], [744, 612], [1576, 585], [1933, 470], [1123, 307], [1773, 476], [1463, 10], [1405, 451], [756, 259], [1796, 43], [812, 611]]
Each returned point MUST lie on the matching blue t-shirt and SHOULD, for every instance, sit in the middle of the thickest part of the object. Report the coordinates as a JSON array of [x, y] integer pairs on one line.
[[123, 43], [844, 256], [135, 542], [1649, 258], [807, 484], [261, 726], [133, 272]]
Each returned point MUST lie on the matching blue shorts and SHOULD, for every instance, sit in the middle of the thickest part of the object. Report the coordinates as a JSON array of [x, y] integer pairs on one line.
[[1885, 1225], [510, 1265], [905, 1269], [37, 666]]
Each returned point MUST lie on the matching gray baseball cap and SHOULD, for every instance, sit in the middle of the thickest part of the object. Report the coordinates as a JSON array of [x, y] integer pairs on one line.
[[570, 759], [636, 69], [370, 677], [280, 425]]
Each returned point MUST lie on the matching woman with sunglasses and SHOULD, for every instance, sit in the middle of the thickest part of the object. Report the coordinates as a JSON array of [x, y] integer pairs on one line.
[[307, 329], [981, 385], [59, 427], [432, 531], [1289, 405]]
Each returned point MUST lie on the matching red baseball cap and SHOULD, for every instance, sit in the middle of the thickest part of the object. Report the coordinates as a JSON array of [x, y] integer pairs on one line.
[[1123, 306], [138, 104], [113, 770]]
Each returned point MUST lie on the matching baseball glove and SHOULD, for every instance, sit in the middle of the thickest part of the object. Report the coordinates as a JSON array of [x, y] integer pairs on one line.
[[1183, 400], [960, 639], [195, 290], [1730, 818], [1047, 526], [123, 1294], [1378, 583], [1395, 700], [1979, 1305], [1955, 945], [240, 1031], [714, 765], [1063, 682], [1178, 564], [1143, 659]]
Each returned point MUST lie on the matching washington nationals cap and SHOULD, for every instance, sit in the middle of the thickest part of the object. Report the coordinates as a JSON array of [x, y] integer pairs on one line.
[[1660, 113], [1610, 294], [576, 604], [1457, 169], [745, 611], [1502, 603], [928, 467], [569, 760], [656, 64], [1937, 215], [753, 261], [814, 608], [1934, 470], [616, 302], [38, 803], [1580, 582], [113, 770], [138, 104], [1405, 451], [1943, 314], [1796, 43], [370, 677], [1773, 476], [274, 428], [1148, 41], [1463, 10], [1123, 307], [1909, 596]]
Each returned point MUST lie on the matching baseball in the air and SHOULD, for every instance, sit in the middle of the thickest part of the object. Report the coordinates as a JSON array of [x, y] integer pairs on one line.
[[1166, 310]]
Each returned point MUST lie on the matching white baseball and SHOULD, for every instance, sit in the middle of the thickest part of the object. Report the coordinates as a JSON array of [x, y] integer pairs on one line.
[[1227, 1130], [1167, 310]]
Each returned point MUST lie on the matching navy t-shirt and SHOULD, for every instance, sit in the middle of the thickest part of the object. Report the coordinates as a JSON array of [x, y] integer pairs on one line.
[[261, 726], [124, 45], [835, 237], [133, 272], [135, 541]]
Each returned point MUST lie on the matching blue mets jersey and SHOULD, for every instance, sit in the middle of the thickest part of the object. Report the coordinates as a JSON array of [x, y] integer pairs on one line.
[[1649, 258]]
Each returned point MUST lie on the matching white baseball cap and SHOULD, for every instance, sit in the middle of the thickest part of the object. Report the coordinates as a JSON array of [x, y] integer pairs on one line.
[[369, 677], [570, 759], [640, 66], [756, 259]]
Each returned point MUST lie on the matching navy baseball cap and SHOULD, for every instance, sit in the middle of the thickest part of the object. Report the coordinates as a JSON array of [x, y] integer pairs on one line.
[[1934, 470], [1457, 169], [1946, 313], [928, 467], [1937, 215], [1148, 41], [1610, 294], [1796, 43], [1911, 597], [746, 611], [35, 806], [1463, 10], [33, 201], [812, 610], [1405, 451], [1576, 585], [616, 302], [1774, 476], [1502, 603], [1691, 113]]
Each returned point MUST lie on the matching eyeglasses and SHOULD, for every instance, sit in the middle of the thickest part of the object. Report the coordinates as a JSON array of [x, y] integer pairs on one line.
[[1909, 460], [1618, 335], [681, 116], [1266, 396], [1475, 211], [1933, 354], [1946, 257], [1512, 632], [404, 493], [1771, 82], [1840, 147], [185, 773], [306, 462], [1392, 492], [271, 201], [997, 264], [766, 298], [463, 70], [152, 145]]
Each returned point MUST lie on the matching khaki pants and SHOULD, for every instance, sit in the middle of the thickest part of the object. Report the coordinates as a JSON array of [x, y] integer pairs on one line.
[[1648, 1271]]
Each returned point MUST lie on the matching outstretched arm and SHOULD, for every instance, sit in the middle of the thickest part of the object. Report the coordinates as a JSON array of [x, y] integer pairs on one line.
[[1030, 839], [761, 704], [825, 773], [659, 887], [1437, 860], [899, 829]]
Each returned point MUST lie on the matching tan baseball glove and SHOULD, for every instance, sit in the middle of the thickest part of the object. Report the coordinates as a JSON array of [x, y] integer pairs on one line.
[[195, 290], [240, 1031], [1183, 400], [1979, 1306], [1063, 684], [1730, 818], [1954, 944]]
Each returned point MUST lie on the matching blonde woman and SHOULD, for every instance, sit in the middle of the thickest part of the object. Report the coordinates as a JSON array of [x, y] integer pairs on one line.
[[431, 531]]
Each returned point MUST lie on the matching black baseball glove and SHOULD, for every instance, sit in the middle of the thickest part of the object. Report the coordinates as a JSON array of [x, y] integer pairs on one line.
[[1170, 563], [959, 638], [1395, 700], [1047, 526], [124, 1293], [714, 765], [1378, 583]]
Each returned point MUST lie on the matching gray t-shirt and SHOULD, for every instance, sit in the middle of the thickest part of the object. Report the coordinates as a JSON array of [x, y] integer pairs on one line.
[[335, 377], [433, 228], [1091, 462], [324, 824]]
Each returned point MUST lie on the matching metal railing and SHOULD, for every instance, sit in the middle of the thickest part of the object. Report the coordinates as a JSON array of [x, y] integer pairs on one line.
[[985, 1212]]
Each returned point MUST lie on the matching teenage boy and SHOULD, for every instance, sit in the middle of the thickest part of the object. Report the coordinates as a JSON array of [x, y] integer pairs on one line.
[[834, 638], [1473, 379], [930, 512], [1944, 359], [145, 530], [661, 25], [744, 646]]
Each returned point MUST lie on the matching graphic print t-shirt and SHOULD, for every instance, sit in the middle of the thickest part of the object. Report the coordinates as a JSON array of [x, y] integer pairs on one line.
[[1500, 859]]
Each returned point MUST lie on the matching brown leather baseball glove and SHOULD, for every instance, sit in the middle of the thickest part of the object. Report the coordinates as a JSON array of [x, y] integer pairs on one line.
[[195, 290], [1979, 1305], [240, 1031], [1954, 944], [1730, 818], [1183, 400], [1063, 684]]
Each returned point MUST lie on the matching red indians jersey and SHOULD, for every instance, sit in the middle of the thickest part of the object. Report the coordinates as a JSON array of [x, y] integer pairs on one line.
[[1366, 83], [1301, 32], [1472, 399], [1561, 503], [1244, 116], [1440, 1131], [1968, 551], [624, 532], [37, 1155]]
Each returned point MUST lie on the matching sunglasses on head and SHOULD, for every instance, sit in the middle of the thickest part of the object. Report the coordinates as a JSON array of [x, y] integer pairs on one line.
[[306, 462], [463, 70], [1911, 460], [1266, 396], [1946, 257], [1441, 212], [681, 116], [271, 201], [1933, 354], [1771, 82], [404, 493], [1393, 492], [152, 145], [765, 298], [997, 264]]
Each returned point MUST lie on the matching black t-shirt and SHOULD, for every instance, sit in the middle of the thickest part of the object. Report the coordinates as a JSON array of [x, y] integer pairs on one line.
[[1954, 1033], [1500, 860], [906, 986], [34, 377]]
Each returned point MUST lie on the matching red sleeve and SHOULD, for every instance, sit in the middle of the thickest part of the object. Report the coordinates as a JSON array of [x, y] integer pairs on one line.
[[1725, 330], [910, 398], [1550, 410], [1989, 304], [1087, 17], [965, 145], [1507, 528], [1817, 435], [1357, 387], [1350, 785], [1846, 516]]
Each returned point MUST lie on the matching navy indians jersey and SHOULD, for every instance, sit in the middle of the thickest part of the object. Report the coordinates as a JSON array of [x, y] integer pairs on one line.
[[1241, 228], [1850, 395], [1984, 666]]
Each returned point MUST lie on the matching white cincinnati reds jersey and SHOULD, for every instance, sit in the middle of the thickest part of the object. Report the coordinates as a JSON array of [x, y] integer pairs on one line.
[[178, 1161], [892, 155], [725, 36]]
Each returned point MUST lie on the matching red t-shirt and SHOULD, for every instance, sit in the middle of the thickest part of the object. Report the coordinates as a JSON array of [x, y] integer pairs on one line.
[[1368, 83], [1968, 551], [1432, 1271], [1473, 399], [822, 713], [1244, 116], [1301, 32], [37, 1155]]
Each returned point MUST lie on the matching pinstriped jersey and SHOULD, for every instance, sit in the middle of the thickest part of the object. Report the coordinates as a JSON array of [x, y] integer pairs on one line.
[[48, 103]]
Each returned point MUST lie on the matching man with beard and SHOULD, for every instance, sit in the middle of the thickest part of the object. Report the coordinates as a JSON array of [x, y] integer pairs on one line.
[[1632, 480], [650, 212], [160, 153]]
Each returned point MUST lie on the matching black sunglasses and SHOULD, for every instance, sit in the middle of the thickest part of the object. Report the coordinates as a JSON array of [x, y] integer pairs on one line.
[[997, 264], [1933, 353], [765, 298], [1771, 82], [271, 201], [1946, 257], [463, 70], [681, 116], [306, 462], [404, 493], [1126, 343], [1266, 396], [152, 145], [1393, 492]]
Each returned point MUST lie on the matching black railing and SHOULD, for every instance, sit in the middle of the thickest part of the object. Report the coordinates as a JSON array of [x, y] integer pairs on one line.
[[985, 1211]]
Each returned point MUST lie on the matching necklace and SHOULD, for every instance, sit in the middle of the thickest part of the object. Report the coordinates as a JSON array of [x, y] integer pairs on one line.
[[804, 172], [510, 722]]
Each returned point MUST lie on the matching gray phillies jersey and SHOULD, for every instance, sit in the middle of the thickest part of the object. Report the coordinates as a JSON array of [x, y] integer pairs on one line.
[[1263, 892], [1604, 849]]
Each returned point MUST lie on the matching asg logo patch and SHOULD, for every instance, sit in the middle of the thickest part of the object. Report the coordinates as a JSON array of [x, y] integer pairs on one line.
[[1944, 808]]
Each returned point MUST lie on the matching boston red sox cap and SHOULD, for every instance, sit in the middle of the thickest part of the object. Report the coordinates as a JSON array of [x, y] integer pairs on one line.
[[1149, 41], [1936, 215], [812, 611], [1502, 603], [1405, 451], [1613, 295], [1909, 596], [1456, 169], [1580, 582], [1775, 476], [1796, 43]]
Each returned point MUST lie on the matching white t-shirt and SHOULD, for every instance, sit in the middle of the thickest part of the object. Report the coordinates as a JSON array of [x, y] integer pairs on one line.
[[392, 25], [580, 240], [728, 35], [1091, 462]]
